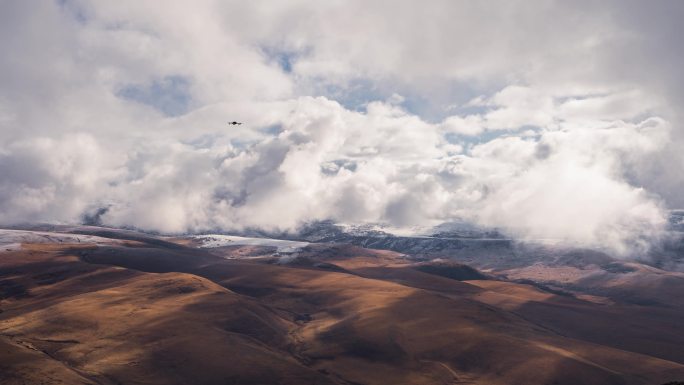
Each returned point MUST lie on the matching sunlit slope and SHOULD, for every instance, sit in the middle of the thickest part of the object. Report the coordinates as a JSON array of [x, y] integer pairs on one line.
[[136, 312]]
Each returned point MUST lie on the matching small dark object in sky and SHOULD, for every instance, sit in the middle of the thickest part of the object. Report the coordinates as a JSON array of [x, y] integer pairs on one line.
[[235, 123]]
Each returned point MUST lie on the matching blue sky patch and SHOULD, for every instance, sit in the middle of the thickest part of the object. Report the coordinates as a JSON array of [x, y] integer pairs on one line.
[[284, 58], [169, 95]]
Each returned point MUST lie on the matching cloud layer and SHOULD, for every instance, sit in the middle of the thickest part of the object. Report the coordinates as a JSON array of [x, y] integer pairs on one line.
[[544, 119]]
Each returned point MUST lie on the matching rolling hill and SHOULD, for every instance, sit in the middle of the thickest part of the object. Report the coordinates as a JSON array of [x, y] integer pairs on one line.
[[102, 306]]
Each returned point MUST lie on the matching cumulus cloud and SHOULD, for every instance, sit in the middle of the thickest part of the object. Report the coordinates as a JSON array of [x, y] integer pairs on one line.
[[522, 116], [570, 185]]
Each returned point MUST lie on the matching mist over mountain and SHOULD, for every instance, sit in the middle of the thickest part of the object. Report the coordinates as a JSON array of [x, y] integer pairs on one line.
[[481, 245]]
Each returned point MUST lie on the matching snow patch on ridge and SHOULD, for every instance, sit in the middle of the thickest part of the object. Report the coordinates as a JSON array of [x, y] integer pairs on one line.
[[12, 239], [215, 240]]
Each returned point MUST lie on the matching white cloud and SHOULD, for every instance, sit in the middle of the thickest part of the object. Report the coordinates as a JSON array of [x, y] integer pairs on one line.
[[517, 106], [555, 133], [470, 125], [571, 185]]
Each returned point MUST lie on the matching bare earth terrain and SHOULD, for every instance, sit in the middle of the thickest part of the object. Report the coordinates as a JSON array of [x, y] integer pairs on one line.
[[118, 307]]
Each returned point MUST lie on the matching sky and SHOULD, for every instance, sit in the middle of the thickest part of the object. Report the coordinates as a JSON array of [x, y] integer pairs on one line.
[[545, 119]]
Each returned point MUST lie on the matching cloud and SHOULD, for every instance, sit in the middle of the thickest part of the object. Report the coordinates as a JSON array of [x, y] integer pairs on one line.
[[570, 185], [470, 125], [51, 180], [547, 120]]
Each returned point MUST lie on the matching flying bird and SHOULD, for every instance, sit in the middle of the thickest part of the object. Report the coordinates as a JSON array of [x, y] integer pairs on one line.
[[235, 123]]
